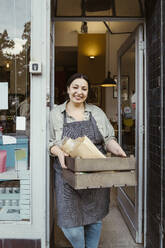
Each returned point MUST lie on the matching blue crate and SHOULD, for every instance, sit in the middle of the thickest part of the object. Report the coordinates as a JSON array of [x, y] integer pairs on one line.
[[22, 143]]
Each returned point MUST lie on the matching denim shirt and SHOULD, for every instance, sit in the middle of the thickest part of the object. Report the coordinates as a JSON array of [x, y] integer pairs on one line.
[[57, 117]]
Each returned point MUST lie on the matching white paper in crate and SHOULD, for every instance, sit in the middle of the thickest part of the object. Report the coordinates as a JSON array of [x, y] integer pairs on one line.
[[81, 147]]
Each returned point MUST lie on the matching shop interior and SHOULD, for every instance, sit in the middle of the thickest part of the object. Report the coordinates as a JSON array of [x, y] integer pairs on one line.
[[89, 47], [73, 54]]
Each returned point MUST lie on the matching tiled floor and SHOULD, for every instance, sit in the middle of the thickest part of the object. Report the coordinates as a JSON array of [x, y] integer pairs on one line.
[[115, 233]]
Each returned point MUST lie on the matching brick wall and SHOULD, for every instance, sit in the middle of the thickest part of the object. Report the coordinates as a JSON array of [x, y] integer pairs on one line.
[[155, 86]]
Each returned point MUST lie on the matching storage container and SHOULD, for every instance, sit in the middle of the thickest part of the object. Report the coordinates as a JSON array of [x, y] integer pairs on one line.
[[100, 173]]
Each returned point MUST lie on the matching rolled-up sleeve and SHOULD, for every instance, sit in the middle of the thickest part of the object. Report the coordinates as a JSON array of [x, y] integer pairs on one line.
[[104, 125], [108, 130]]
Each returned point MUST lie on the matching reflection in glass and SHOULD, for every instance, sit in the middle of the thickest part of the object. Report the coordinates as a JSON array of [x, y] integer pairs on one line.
[[15, 114], [128, 105], [14, 60]]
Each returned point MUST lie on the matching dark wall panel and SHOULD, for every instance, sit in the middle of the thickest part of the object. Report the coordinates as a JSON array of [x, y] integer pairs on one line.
[[163, 94], [154, 88]]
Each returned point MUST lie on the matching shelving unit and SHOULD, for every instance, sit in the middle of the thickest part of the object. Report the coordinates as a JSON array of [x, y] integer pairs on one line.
[[16, 206], [9, 174]]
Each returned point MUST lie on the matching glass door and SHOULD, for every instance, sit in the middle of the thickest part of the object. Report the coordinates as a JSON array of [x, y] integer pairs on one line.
[[24, 28], [130, 107], [15, 37]]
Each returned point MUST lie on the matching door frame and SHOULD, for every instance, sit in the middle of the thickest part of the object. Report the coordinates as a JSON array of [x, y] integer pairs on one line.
[[138, 237], [133, 215], [36, 228]]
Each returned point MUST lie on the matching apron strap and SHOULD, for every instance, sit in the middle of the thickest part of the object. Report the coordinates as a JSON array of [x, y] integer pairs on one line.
[[65, 119], [90, 116]]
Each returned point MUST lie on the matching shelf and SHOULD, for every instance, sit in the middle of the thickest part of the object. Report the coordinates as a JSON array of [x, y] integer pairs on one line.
[[10, 174], [10, 213], [10, 196]]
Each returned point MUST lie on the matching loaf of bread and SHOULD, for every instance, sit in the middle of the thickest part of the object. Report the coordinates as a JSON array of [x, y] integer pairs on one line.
[[81, 147]]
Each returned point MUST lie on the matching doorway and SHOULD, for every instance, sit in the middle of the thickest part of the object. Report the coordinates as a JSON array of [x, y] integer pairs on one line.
[[118, 33], [115, 42]]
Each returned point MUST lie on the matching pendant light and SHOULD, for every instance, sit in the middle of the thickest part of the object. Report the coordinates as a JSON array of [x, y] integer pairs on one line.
[[108, 82]]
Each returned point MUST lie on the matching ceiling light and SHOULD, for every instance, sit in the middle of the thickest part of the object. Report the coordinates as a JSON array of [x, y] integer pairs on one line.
[[7, 65], [92, 57]]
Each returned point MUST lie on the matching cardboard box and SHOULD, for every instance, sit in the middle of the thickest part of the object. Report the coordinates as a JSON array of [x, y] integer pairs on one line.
[[100, 173]]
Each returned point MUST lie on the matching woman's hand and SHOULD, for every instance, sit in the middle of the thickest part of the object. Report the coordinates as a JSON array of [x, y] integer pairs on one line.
[[60, 154], [115, 148]]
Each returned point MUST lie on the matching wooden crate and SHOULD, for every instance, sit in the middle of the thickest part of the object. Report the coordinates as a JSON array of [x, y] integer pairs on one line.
[[100, 173], [100, 164]]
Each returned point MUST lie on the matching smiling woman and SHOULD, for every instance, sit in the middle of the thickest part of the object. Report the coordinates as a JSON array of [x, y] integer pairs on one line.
[[78, 91], [80, 212]]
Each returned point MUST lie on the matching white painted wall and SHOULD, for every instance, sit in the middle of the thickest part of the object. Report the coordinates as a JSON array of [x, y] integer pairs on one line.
[[66, 33]]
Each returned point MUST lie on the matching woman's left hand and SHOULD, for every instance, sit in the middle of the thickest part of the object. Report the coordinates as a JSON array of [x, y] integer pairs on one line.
[[115, 148]]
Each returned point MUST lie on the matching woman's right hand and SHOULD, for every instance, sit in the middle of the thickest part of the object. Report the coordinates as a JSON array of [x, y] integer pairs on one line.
[[60, 154]]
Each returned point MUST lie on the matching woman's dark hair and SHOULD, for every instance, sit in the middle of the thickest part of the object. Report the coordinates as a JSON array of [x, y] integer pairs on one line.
[[75, 76]]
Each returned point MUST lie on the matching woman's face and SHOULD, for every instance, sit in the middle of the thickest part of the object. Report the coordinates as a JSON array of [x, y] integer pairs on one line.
[[78, 90]]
